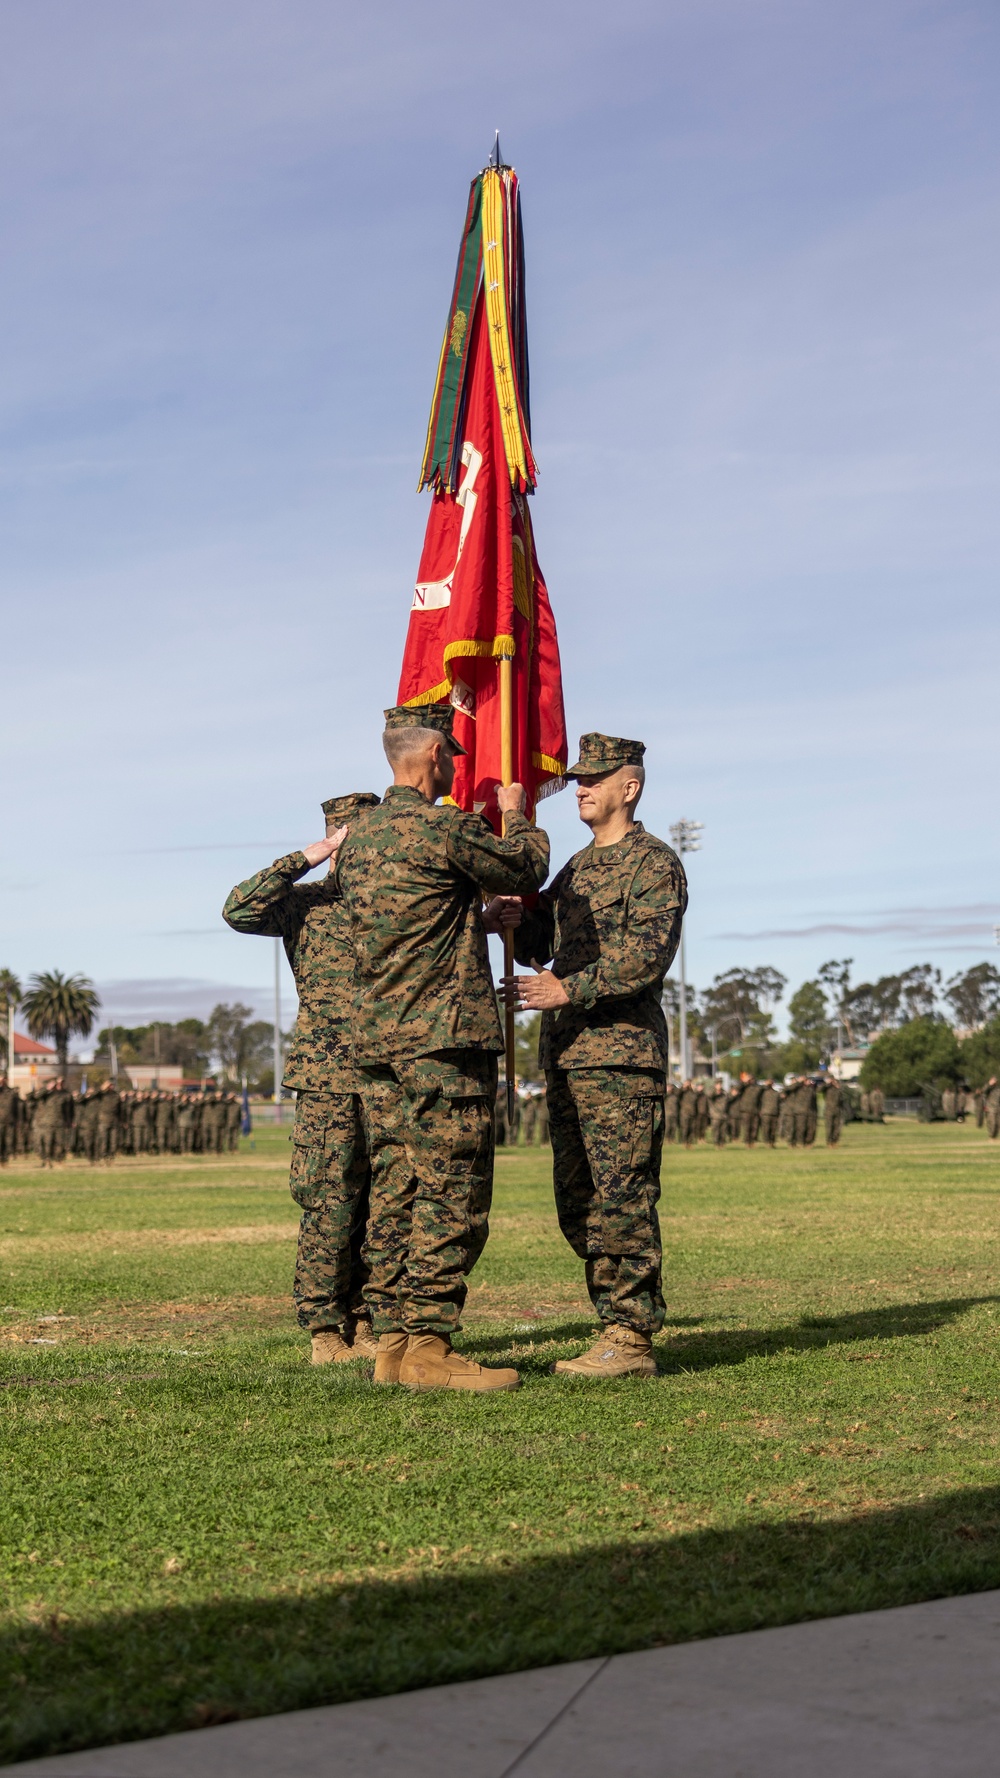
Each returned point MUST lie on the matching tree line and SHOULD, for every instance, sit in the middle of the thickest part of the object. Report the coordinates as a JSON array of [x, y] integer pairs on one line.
[[916, 1026], [58, 1007]]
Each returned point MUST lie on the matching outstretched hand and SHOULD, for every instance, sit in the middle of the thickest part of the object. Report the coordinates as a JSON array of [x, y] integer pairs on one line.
[[541, 992], [328, 848]]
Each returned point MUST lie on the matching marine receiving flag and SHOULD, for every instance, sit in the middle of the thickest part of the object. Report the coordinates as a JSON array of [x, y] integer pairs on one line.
[[481, 630]]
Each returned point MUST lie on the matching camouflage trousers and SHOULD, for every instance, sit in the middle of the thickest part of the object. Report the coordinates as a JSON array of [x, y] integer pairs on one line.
[[748, 1127], [106, 1142], [768, 1127], [803, 1129], [429, 1124], [834, 1125], [330, 1182], [719, 1131], [49, 1141], [607, 1144]]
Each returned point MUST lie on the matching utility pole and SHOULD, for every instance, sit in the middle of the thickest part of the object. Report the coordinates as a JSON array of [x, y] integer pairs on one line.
[[686, 838], [277, 1028], [10, 1040]]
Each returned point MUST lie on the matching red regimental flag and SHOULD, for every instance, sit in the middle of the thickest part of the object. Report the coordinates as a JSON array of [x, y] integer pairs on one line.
[[480, 596]]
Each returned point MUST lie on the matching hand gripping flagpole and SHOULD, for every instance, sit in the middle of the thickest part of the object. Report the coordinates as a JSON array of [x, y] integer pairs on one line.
[[507, 774]]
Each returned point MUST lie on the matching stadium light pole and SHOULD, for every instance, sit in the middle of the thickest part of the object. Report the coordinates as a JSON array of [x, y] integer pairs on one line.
[[686, 836]]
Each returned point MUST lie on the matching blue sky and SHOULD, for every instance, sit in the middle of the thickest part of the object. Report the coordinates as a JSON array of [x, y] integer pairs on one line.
[[763, 269]]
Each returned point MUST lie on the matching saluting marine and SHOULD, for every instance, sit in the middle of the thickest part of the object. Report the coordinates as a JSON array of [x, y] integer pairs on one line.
[[330, 1175]]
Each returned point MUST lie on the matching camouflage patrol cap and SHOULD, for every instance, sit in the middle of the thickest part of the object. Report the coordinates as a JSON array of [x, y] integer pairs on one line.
[[605, 753], [435, 716], [339, 809]]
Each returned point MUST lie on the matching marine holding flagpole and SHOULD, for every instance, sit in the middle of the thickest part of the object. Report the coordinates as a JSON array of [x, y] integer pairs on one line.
[[481, 634]]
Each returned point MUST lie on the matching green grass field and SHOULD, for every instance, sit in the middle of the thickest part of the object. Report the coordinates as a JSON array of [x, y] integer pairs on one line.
[[197, 1525]]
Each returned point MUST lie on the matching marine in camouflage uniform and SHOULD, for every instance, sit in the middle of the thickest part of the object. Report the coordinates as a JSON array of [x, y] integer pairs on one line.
[[611, 922], [426, 1036], [769, 1113], [52, 1123], [749, 1108], [234, 1122], [718, 1114], [107, 1118], [733, 1114], [687, 1113], [188, 1124], [166, 1123], [833, 1111], [208, 1125], [805, 1115], [87, 1127], [330, 1174], [10, 1107]]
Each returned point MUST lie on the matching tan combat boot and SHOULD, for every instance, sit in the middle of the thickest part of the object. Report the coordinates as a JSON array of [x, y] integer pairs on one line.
[[330, 1347], [620, 1352], [388, 1356], [365, 1341], [430, 1363]]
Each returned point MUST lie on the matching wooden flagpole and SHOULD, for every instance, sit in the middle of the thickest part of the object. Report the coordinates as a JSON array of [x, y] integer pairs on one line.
[[507, 774]]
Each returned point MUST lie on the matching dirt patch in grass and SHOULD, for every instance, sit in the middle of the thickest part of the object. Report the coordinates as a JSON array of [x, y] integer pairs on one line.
[[130, 1240], [496, 1302], [162, 1323]]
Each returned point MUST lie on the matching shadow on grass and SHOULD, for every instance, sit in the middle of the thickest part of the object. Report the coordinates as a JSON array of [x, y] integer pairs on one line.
[[703, 1351], [74, 1685]]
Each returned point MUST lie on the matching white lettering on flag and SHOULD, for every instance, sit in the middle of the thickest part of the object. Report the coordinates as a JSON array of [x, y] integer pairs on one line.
[[433, 595]]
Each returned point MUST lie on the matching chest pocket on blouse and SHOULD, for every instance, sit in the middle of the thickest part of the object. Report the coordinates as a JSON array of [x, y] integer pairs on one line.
[[586, 915]]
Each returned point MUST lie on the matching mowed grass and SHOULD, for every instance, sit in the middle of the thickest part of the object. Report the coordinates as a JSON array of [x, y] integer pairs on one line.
[[197, 1525]]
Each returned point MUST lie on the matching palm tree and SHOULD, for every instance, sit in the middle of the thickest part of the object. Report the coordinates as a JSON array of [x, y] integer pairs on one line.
[[10, 997], [60, 1006]]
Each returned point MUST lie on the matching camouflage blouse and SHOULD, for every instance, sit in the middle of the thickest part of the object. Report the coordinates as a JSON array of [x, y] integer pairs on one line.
[[413, 874], [313, 922], [611, 920]]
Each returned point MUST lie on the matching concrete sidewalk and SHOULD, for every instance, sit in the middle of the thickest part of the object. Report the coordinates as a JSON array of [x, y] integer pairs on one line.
[[910, 1693]]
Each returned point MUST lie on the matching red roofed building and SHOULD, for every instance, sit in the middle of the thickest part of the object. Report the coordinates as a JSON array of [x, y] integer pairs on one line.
[[34, 1063]]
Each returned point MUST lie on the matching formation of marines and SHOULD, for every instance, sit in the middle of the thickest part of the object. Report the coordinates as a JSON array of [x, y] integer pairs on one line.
[[752, 1111], [54, 1123]]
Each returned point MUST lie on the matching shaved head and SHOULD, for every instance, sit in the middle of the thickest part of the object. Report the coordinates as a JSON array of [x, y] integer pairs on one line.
[[407, 743]]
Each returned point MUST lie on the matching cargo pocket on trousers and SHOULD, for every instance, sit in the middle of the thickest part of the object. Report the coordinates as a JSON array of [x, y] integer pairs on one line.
[[647, 1131], [310, 1144], [471, 1135]]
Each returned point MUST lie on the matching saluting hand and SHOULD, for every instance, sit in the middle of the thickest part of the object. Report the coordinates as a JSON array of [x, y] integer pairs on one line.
[[327, 848]]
